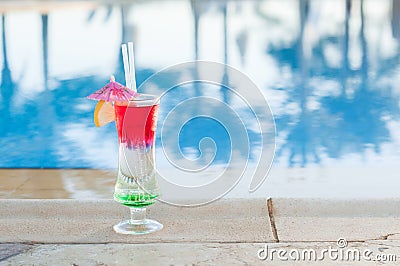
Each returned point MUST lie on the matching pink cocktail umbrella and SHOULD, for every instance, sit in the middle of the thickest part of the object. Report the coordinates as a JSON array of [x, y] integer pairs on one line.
[[113, 92]]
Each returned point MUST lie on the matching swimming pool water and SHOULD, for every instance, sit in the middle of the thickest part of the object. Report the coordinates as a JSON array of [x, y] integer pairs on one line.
[[331, 78]]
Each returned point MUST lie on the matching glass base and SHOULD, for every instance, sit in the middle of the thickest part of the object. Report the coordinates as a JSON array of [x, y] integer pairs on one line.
[[142, 227]]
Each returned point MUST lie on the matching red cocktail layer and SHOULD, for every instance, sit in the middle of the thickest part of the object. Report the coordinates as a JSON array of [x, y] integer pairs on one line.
[[136, 125]]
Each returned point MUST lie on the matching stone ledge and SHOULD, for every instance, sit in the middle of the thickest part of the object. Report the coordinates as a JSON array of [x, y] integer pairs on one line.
[[83, 221], [224, 221], [331, 219]]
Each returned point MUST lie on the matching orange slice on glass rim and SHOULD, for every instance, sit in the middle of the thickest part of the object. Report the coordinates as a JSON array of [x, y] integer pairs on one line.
[[104, 113]]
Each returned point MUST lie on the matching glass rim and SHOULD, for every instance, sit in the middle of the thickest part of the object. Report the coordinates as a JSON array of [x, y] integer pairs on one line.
[[142, 97]]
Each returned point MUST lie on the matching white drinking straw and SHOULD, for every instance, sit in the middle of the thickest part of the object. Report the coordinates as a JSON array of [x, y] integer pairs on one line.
[[126, 65], [132, 67]]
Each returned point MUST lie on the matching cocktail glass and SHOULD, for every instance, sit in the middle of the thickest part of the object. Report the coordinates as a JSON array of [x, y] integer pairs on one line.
[[136, 185]]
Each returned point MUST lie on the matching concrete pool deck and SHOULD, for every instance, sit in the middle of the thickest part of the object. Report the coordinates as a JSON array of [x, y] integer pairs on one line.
[[229, 231], [48, 217]]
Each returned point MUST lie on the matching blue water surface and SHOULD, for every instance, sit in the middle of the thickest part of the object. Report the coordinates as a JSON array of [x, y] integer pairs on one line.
[[331, 78]]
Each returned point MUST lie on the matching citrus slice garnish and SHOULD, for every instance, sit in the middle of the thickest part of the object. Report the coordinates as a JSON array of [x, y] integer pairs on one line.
[[104, 113]]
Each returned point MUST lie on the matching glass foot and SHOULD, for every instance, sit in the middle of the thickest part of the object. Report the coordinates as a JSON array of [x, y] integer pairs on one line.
[[142, 227]]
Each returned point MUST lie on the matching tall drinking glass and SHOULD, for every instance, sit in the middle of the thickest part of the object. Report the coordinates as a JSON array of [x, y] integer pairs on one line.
[[137, 185]]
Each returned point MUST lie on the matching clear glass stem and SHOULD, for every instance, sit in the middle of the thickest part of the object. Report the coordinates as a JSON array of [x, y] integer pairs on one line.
[[138, 215]]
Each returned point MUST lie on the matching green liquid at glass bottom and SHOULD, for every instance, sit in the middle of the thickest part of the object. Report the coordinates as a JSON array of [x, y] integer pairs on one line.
[[135, 200]]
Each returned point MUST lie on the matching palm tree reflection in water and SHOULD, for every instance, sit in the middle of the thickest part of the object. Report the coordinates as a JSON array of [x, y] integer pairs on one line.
[[323, 124], [351, 122]]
